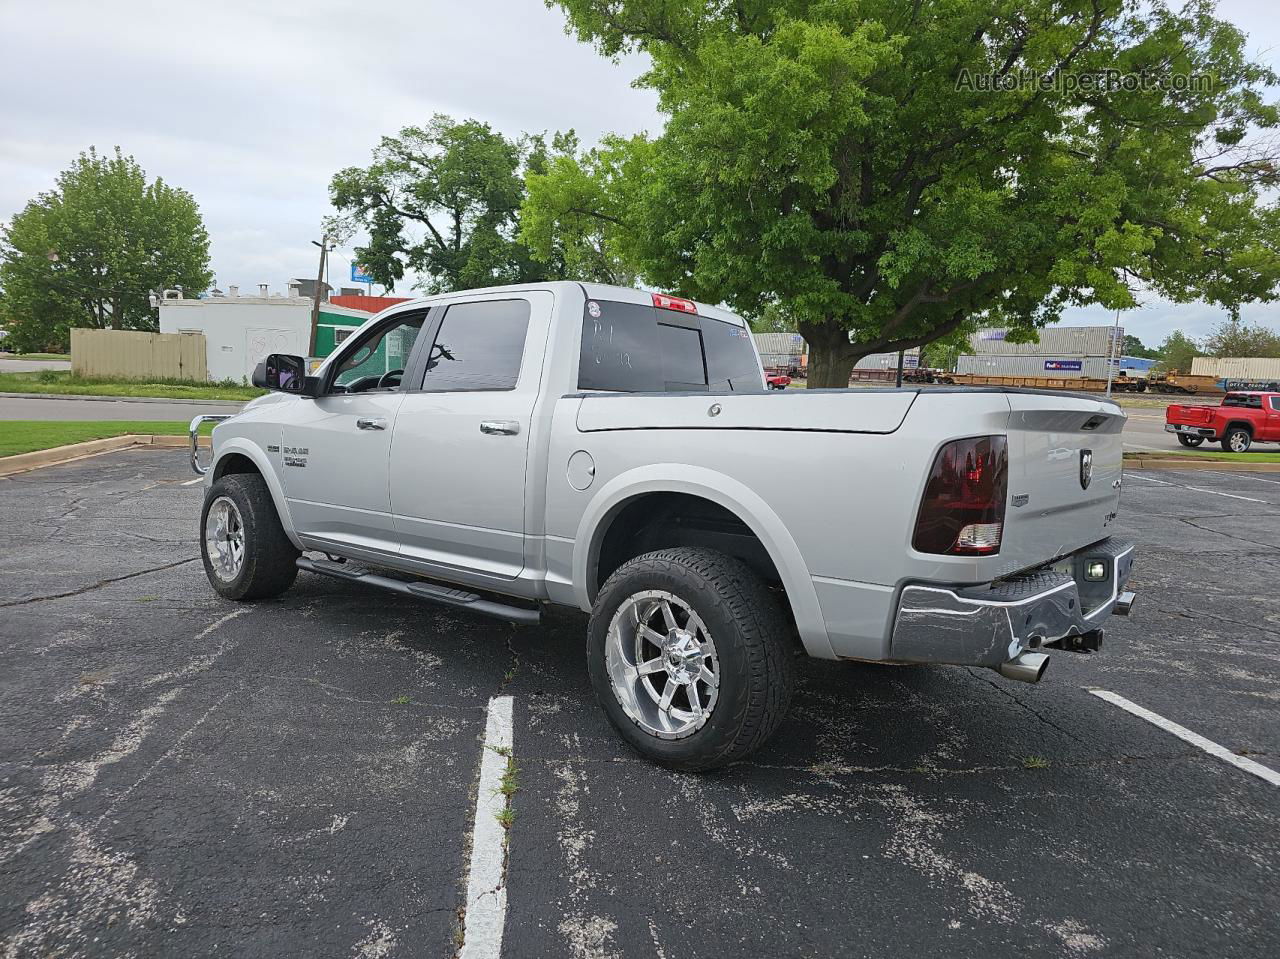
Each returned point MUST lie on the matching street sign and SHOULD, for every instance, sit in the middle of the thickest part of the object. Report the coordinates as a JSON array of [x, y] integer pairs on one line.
[[360, 275]]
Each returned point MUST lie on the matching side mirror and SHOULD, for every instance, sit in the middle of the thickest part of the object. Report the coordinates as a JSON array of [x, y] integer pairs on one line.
[[281, 372]]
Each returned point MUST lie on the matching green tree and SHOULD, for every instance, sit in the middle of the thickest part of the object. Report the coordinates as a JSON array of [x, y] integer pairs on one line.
[[1234, 338], [1134, 347], [443, 200], [575, 228], [1178, 350], [851, 159], [91, 251]]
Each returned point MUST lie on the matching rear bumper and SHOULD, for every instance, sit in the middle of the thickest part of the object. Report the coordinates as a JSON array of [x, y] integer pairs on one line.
[[994, 624], [1186, 430]]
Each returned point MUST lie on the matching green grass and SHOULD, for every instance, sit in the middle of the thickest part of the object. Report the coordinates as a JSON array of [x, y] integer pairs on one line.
[[66, 357], [65, 383], [1216, 456], [26, 436]]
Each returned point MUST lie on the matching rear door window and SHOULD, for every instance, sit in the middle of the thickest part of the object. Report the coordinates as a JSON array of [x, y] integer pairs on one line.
[[479, 346]]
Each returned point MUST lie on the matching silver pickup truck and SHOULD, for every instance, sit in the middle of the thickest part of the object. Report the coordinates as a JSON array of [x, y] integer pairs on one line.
[[617, 451]]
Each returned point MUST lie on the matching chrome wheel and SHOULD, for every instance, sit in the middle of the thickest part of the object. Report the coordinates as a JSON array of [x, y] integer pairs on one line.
[[224, 539], [662, 664], [1239, 441]]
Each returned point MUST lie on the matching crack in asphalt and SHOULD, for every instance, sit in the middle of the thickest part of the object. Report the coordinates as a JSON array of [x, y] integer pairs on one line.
[[98, 585], [1218, 532], [1187, 612], [828, 769], [1034, 712]]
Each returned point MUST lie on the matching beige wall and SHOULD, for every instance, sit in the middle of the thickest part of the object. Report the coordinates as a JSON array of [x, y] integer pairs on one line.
[[135, 355]]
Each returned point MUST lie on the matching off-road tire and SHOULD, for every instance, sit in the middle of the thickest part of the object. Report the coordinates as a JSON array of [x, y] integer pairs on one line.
[[270, 560], [1245, 443], [753, 644]]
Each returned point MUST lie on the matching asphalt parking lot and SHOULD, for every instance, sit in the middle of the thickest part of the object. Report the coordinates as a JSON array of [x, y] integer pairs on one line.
[[182, 775]]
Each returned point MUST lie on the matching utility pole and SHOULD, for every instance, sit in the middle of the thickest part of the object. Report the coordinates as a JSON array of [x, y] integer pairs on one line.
[[315, 303], [901, 359], [1112, 354]]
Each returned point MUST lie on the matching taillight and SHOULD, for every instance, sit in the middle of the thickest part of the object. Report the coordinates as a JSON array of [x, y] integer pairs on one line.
[[963, 507], [664, 302]]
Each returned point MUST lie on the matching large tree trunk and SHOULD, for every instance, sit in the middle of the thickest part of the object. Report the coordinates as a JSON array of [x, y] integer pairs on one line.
[[831, 356]]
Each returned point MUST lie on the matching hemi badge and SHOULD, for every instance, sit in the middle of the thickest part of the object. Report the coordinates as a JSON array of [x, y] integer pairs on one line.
[[1021, 499]]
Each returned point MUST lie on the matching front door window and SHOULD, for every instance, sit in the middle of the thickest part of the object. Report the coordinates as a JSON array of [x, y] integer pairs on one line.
[[378, 360]]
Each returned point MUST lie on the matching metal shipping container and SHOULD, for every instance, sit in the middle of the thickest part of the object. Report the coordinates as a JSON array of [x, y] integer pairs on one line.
[[1054, 341], [779, 343], [1074, 367], [889, 361], [1237, 368]]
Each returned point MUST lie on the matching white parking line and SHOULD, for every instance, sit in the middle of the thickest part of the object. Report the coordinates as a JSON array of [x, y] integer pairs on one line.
[[486, 885], [198, 479], [1244, 475], [1265, 773], [1198, 489]]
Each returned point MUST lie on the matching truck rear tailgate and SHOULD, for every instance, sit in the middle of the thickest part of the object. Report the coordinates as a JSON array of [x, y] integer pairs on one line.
[[1065, 468], [1189, 415]]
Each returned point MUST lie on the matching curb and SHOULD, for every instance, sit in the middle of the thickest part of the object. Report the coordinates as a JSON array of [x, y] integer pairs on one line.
[[183, 401], [1141, 462], [57, 455]]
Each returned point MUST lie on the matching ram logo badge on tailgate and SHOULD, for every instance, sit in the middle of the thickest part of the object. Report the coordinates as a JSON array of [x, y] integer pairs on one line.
[[1086, 468]]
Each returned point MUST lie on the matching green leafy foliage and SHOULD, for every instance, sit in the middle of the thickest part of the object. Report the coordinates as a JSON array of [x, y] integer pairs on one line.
[[1134, 347], [443, 200], [839, 157], [573, 224], [1178, 350], [1234, 338], [90, 252]]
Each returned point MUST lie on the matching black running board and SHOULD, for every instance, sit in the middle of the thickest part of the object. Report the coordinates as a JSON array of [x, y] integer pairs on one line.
[[431, 592]]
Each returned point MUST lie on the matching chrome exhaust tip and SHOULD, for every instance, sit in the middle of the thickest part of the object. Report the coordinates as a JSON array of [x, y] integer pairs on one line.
[[1025, 667], [1124, 603]]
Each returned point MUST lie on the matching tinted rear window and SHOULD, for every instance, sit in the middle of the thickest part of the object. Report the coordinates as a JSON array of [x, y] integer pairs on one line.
[[635, 348], [1242, 399], [479, 347]]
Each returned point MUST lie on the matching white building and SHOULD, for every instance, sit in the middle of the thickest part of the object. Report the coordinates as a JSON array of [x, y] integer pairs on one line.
[[240, 331]]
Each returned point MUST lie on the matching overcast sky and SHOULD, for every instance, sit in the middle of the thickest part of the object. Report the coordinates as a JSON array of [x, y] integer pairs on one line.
[[252, 106]]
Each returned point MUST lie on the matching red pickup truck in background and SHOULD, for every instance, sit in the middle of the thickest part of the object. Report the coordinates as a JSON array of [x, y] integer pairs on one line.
[[1242, 419]]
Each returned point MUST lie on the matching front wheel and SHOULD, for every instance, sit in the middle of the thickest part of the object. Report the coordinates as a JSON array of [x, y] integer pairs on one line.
[[245, 550], [1237, 440], [1192, 441], [689, 657]]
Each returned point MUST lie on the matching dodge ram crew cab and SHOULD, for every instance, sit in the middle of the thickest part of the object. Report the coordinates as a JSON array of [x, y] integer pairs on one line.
[[616, 451], [1242, 419]]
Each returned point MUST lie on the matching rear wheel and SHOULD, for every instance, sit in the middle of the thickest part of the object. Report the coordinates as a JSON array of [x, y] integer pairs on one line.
[[688, 654], [245, 550], [1237, 440], [1192, 441]]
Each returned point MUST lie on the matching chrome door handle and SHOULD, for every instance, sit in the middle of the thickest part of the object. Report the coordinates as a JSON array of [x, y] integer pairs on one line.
[[371, 423], [499, 427]]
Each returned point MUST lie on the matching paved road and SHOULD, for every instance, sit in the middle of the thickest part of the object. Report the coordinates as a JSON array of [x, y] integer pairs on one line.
[[181, 775], [12, 364], [35, 408]]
